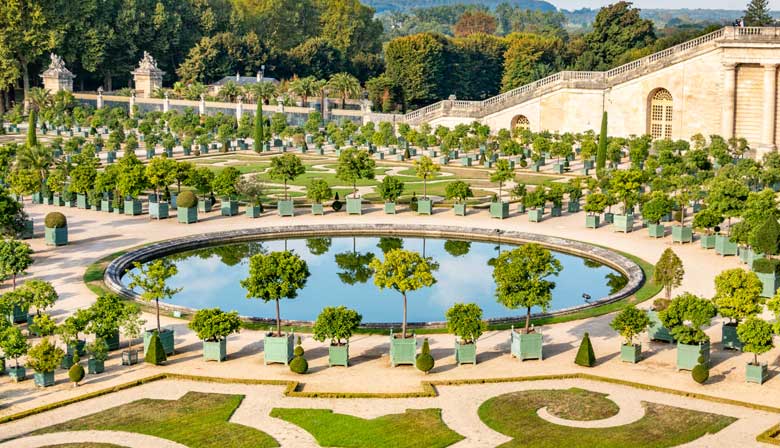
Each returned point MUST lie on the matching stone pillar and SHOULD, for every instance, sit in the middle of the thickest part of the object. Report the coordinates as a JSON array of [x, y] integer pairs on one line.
[[239, 108], [729, 100], [280, 103], [770, 106], [325, 111], [202, 105], [100, 98], [131, 105], [166, 103], [57, 78], [147, 76]]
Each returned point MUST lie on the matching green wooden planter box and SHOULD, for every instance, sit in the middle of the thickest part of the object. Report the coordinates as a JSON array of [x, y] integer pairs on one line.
[[521, 208], [110, 157], [79, 347], [253, 211], [465, 161], [656, 230], [187, 215], [656, 331], [623, 223], [173, 203], [729, 338], [609, 218], [460, 209], [129, 357], [285, 208], [752, 255], [158, 210], [682, 234], [215, 350], [82, 202], [44, 379], [499, 210], [338, 355], [724, 246], [403, 351], [18, 315], [56, 237], [756, 373], [535, 215], [228, 207], [558, 168], [150, 153], [354, 206], [555, 211], [278, 348], [112, 341], [17, 374], [708, 241], [688, 355], [770, 281], [317, 209], [573, 207], [424, 207], [28, 232], [592, 221], [95, 366], [133, 207], [465, 353], [631, 353], [204, 205], [526, 346], [166, 337], [390, 208], [106, 205]]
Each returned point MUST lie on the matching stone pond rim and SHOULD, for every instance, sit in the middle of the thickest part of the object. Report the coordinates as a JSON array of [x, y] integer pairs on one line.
[[627, 267]]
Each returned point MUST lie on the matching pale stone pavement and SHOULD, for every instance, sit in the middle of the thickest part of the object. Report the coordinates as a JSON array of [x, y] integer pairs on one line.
[[94, 235]]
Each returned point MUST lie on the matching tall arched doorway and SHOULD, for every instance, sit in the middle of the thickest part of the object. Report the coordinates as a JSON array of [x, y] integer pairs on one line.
[[521, 123], [660, 114]]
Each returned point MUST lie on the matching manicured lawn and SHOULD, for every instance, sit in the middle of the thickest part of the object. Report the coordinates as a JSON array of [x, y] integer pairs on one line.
[[197, 420], [515, 415], [413, 428]]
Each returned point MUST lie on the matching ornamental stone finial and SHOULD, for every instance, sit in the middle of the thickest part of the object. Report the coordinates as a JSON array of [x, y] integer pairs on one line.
[[57, 77]]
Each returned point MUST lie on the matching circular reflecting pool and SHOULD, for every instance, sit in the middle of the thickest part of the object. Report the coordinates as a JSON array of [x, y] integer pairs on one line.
[[210, 277]]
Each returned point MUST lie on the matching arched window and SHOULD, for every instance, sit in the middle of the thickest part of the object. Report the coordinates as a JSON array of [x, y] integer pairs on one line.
[[520, 122], [661, 114]]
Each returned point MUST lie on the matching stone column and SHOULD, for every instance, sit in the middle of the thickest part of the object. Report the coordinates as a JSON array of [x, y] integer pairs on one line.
[[202, 105], [131, 105], [729, 100], [166, 103], [100, 98], [239, 109], [770, 106]]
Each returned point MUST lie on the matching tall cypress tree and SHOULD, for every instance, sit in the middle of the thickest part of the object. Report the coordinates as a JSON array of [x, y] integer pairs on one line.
[[32, 138], [258, 136], [601, 153], [757, 13]]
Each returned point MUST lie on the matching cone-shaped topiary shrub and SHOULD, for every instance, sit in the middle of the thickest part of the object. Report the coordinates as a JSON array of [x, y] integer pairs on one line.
[[425, 360], [700, 372], [156, 353], [413, 202], [337, 204], [56, 220], [76, 372], [585, 356], [186, 199], [299, 363]]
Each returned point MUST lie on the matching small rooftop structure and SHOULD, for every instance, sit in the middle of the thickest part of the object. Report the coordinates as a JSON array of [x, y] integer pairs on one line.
[[240, 81]]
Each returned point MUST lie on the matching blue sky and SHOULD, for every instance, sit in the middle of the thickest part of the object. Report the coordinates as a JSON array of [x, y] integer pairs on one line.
[[675, 4]]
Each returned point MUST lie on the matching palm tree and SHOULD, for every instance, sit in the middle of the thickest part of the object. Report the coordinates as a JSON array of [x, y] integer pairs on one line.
[[345, 85], [39, 98], [38, 158], [229, 92], [261, 91], [304, 88]]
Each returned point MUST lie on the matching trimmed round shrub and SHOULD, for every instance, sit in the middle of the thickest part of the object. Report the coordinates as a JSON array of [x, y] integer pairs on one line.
[[186, 199], [299, 365], [298, 351], [336, 205], [700, 372], [425, 361], [76, 372], [56, 220]]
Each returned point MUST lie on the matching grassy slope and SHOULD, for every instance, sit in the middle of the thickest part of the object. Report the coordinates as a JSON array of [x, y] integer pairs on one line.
[[422, 428], [197, 420], [515, 415]]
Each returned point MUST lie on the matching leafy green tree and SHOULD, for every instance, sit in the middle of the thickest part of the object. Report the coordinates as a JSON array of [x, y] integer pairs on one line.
[[669, 272], [286, 168], [617, 29], [727, 197], [418, 65], [503, 173], [14, 344], [355, 266], [425, 170], [766, 238], [213, 324], [404, 271], [595, 203], [685, 316], [15, 258], [658, 206], [251, 188], [530, 57], [457, 248], [275, 276], [521, 278], [630, 322], [106, 315], [388, 243], [601, 152], [758, 13], [152, 280], [390, 189], [12, 214], [42, 294], [161, 172], [737, 294], [318, 246], [131, 177], [318, 190], [458, 190], [24, 181], [707, 219], [624, 184], [337, 324], [464, 320], [355, 165], [202, 179], [225, 182], [757, 336]]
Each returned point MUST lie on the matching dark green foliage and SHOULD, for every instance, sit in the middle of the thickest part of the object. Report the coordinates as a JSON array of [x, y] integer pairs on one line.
[[700, 372], [766, 238], [298, 351], [601, 153], [55, 220], [299, 364], [76, 371], [156, 353], [336, 204], [758, 13], [12, 215], [187, 199], [413, 202], [585, 356], [425, 360], [766, 266]]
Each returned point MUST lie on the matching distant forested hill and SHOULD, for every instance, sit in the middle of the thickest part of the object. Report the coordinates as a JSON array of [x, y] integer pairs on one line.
[[405, 5]]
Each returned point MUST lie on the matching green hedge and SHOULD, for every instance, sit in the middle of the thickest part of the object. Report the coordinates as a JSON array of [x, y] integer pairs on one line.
[[55, 220], [766, 266]]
